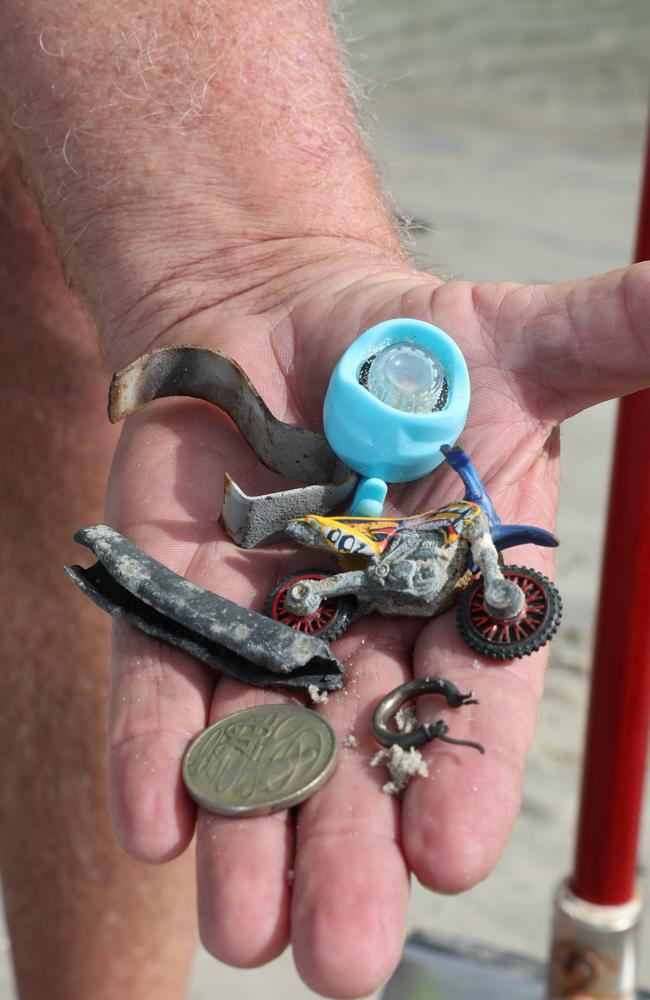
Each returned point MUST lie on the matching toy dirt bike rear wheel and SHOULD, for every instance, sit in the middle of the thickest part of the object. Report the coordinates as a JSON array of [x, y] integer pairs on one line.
[[531, 629], [330, 619]]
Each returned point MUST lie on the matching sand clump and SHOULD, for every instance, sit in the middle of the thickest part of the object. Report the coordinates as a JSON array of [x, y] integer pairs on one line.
[[317, 697], [402, 765]]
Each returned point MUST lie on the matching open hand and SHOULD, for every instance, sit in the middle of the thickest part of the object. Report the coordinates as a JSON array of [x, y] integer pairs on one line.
[[334, 877]]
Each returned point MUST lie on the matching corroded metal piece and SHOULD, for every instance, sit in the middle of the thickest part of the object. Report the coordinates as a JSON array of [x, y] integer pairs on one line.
[[131, 585], [293, 452], [261, 520], [201, 373], [389, 705], [260, 760]]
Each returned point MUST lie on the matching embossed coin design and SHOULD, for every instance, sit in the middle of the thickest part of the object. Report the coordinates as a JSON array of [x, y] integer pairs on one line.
[[260, 760]]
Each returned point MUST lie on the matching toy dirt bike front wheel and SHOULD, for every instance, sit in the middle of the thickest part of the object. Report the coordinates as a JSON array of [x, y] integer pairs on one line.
[[329, 620], [508, 639]]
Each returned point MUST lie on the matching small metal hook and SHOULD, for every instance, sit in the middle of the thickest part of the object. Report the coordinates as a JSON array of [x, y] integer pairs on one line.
[[388, 706]]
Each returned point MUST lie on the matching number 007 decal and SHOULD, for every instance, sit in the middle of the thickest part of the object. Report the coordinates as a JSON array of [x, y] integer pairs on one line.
[[346, 543]]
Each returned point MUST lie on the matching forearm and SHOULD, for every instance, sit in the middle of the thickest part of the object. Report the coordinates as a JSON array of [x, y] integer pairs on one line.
[[85, 921], [184, 149]]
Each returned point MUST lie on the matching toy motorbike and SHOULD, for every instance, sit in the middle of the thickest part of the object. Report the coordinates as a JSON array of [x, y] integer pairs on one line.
[[420, 566]]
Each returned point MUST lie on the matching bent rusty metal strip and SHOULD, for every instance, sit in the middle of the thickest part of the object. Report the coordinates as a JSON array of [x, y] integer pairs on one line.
[[261, 520], [201, 373], [251, 647]]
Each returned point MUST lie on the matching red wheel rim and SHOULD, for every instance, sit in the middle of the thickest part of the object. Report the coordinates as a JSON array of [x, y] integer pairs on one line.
[[311, 624], [527, 623]]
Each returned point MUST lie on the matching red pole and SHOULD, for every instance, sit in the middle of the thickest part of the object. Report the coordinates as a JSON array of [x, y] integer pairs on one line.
[[619, 712]]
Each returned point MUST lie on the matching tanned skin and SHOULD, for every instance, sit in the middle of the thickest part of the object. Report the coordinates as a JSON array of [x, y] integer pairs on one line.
[[85, 919], [200, 170]]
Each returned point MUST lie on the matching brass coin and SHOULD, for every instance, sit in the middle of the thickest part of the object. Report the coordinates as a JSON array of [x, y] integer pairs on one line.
[[260, 760]]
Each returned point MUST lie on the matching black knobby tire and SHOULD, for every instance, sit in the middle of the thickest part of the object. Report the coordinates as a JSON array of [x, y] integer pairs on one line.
[[520, 636], [328, 622]]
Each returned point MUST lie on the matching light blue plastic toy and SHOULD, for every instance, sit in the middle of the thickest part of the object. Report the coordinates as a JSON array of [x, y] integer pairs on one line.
[[400, 391]]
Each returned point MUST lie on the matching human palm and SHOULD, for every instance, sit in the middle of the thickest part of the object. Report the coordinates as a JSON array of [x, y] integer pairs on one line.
[[334, 876]]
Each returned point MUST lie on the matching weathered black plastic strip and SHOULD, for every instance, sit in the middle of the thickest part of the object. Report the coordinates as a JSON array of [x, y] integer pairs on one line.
[[244, 644]]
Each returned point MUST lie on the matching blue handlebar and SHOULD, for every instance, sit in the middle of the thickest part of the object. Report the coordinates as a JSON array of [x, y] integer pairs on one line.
[[504, 536], [475, 491]]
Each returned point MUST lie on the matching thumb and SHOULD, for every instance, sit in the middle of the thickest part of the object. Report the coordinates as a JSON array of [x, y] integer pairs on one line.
[[583, 341]]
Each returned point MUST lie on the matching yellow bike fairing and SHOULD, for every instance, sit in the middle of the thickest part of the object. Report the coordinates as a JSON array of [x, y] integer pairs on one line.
[[369, 536]]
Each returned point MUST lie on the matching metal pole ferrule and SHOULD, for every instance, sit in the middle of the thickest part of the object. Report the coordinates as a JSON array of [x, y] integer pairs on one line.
[[594, 948]]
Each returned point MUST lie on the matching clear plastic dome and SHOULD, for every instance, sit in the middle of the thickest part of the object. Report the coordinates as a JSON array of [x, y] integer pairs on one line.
[[407, 377]]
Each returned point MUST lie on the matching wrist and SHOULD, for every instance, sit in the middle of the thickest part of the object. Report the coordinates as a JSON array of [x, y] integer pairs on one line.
[[147, 257], [259, 284], [179, 154]]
